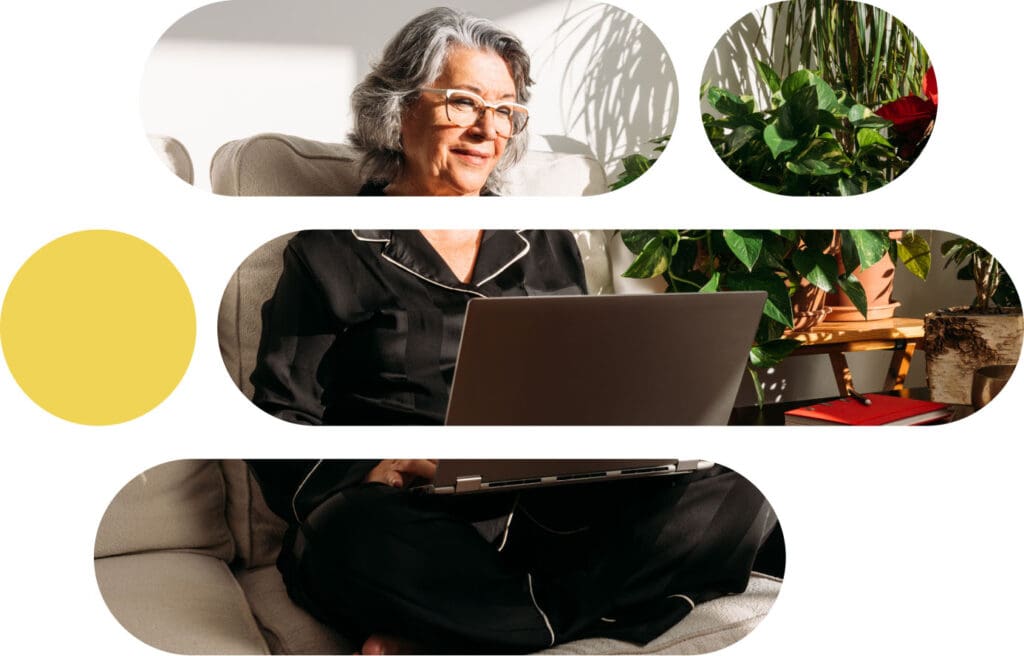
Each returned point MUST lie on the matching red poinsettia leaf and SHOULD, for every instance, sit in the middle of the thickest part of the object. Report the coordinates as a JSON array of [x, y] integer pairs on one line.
[[905, 110], [929, 87]]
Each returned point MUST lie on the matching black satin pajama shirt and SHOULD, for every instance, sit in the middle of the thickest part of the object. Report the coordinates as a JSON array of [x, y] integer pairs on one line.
[[364, 325]]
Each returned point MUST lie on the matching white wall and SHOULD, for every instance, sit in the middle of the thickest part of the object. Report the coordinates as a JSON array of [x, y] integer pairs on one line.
[[731, 64], [605, 84]]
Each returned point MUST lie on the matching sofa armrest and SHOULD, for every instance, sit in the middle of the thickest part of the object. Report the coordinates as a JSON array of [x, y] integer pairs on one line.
[[183, 603]]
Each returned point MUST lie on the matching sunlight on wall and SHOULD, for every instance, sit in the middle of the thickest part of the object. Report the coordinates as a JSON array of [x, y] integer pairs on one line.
[[732, 63], [206, 93], [605, 80]]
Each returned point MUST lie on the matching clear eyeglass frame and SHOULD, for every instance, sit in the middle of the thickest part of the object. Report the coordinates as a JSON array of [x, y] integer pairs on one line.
[[465, 108]]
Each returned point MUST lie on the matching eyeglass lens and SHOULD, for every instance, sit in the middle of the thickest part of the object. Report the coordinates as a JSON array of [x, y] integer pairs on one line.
[[465, 110]]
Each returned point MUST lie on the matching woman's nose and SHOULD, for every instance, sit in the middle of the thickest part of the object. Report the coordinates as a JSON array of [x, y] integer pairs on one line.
[[486, 123]]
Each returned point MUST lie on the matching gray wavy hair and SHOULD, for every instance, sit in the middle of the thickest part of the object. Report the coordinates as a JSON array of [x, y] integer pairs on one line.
[[414, 58]]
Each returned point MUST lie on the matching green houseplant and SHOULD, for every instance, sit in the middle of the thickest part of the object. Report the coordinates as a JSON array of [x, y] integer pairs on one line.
[[866, 118], [810, 141], [633, 166], [989, 331], [786, 264], [853, 46]]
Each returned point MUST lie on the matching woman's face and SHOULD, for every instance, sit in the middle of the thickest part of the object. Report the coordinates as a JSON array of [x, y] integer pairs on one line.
[[442, 159]]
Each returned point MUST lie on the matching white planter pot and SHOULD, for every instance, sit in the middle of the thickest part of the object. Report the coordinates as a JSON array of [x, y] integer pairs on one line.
[[956, 344]]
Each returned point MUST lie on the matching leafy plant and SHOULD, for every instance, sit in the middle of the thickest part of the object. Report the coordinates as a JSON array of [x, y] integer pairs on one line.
[[852, 45], [811, 141], [636, 165], [773, 261], [991, 284]]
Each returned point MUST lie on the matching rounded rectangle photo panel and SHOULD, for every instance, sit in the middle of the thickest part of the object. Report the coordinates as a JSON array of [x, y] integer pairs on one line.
[[620, 327], [338, 98], [666, 556]]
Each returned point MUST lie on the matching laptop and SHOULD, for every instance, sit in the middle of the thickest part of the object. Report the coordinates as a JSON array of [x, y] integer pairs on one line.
[[658, 359], [473, 476]]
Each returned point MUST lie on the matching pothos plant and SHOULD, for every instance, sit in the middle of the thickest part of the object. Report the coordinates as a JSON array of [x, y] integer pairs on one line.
[[810, 141], [637, 164], [773, 261]]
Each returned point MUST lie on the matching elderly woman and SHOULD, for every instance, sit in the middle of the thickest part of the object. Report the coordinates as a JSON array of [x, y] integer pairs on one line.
[[364, 325], [442, 114], [364, 328]]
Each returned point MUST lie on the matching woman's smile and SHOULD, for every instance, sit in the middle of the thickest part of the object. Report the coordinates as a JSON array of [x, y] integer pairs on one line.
[[472, 156]]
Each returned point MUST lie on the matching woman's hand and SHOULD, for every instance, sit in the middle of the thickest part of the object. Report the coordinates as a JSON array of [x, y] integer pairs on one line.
[[402, 473]]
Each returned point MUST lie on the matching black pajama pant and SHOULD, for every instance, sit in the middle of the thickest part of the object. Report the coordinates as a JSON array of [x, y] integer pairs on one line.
[[623, 560]]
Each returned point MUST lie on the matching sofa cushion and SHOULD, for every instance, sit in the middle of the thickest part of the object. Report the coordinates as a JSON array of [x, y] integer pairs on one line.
[[258, 532], [710, 626], [177, 505], [183, 603], [287, 628], [240, 320], [284, 165], [174, 156]]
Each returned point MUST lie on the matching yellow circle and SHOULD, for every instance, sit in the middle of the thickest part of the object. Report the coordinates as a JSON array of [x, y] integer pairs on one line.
[[98, 327]]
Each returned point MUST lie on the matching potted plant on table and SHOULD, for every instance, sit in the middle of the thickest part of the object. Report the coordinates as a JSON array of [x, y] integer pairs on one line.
[[906, 247], [796, 268], [960, 340]]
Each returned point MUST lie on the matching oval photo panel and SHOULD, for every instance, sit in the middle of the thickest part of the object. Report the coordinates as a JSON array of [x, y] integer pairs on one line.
[[338, 98], [819, 98]]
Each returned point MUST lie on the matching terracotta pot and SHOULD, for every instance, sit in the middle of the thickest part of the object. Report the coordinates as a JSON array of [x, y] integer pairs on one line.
[[809, 307], [809, 302], [877, 281]]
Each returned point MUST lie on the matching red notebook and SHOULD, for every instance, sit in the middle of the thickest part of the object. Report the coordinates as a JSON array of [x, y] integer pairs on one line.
[[884, 411]]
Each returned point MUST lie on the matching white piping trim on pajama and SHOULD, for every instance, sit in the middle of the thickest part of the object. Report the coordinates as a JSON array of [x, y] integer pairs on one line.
[[295, 496], [355, 233], [521, 255], [529, 582], [434, 282], [508, 523], [682, 596], [405, 268], [518, 257]]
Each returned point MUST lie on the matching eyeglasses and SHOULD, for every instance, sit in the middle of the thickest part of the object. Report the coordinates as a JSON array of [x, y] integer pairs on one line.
[[465, 108]]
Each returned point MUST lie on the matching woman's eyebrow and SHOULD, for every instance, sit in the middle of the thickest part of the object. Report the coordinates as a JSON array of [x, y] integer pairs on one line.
[[480, 92]]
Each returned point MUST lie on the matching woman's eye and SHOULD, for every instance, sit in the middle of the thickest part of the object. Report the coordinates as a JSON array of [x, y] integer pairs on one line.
[[463, 103], [504, 110]]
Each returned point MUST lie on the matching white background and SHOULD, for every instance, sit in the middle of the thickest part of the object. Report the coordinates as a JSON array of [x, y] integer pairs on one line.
[[898, 540]]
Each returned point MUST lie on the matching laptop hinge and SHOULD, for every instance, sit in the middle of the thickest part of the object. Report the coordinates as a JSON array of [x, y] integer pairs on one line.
[[467, 483]]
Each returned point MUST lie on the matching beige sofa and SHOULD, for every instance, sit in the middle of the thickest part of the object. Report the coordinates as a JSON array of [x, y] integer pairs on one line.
[[185, 559]]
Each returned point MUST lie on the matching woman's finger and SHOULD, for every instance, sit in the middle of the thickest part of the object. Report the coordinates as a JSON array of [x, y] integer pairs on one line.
[[424, 469]]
